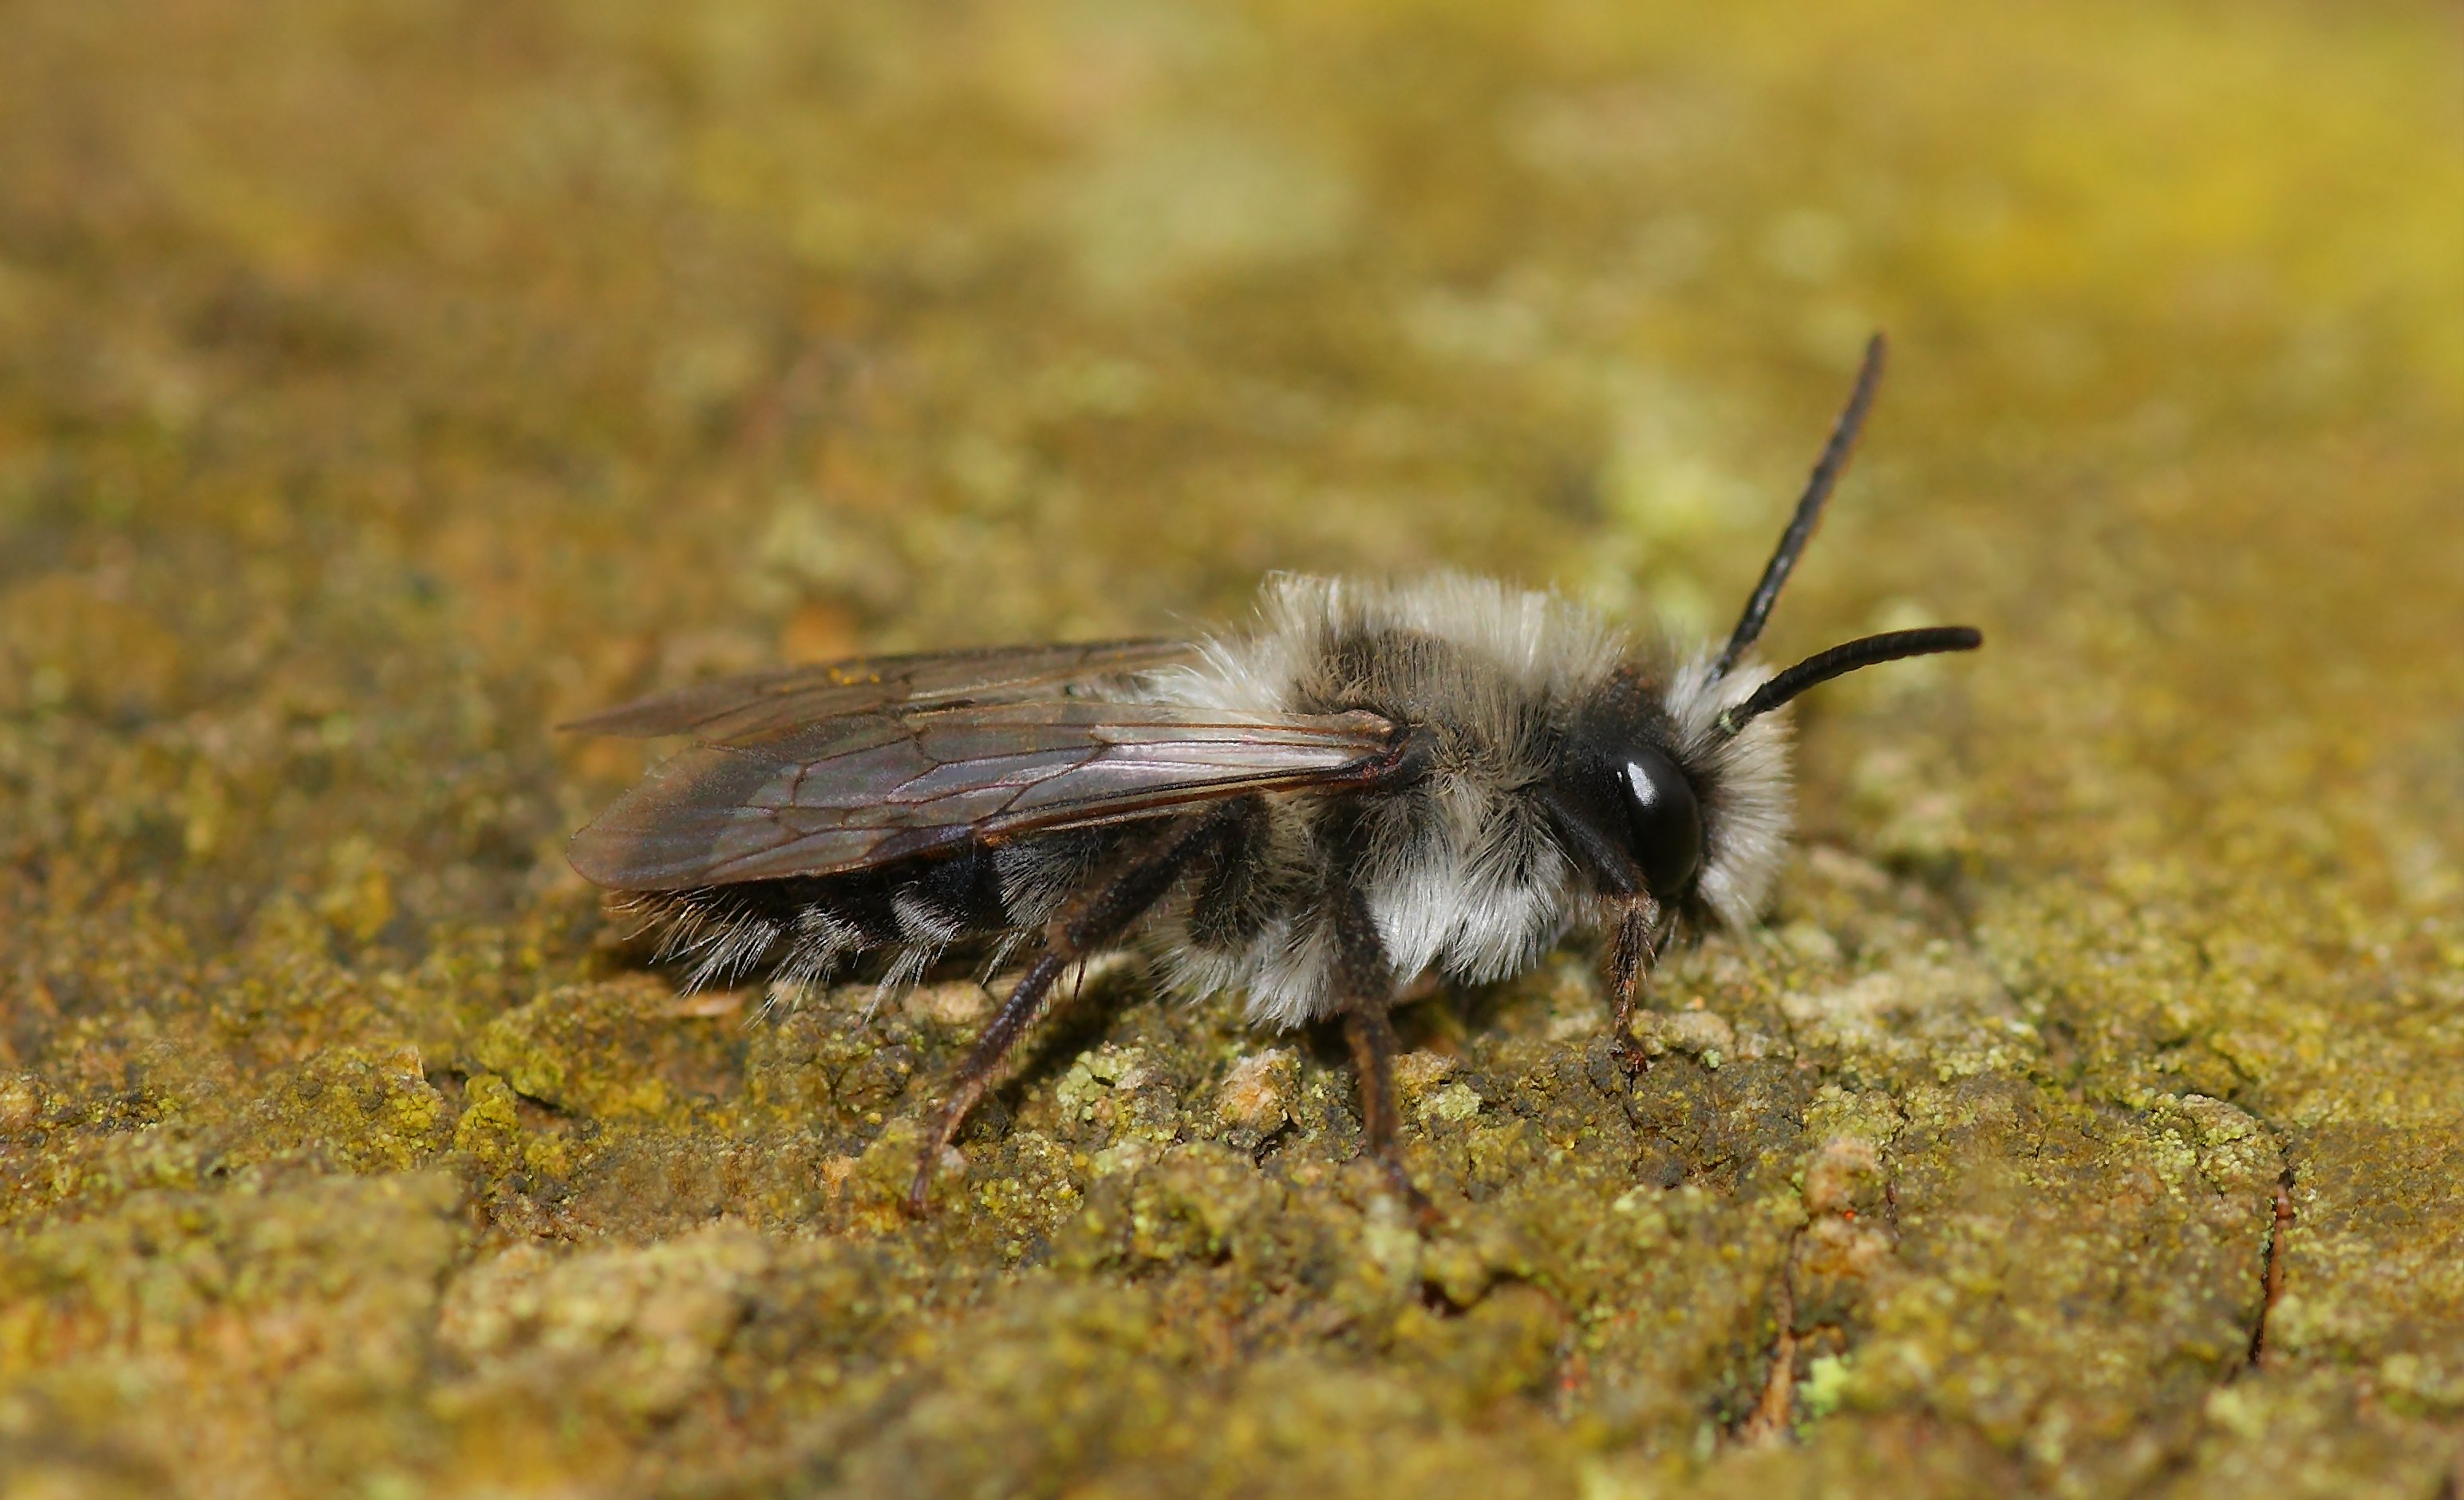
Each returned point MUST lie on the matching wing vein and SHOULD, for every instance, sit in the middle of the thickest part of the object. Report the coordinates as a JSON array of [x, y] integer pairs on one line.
[[853, 791]]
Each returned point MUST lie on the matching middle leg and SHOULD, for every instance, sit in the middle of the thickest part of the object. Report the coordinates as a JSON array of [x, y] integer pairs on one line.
[[1365, 984]]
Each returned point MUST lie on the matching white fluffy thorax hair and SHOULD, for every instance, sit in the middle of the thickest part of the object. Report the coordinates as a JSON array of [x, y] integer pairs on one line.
[[1461, 871]]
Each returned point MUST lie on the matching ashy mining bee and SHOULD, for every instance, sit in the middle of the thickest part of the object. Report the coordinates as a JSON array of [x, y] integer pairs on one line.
[[1371, 782]]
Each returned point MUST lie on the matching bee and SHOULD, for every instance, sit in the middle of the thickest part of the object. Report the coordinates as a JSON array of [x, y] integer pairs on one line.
[[1369, 783]]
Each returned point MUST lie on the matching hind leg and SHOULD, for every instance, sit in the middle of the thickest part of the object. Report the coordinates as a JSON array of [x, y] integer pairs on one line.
[[1138, 879]]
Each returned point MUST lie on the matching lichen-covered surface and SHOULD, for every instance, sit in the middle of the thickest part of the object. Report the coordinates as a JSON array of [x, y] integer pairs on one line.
[[381, 384]]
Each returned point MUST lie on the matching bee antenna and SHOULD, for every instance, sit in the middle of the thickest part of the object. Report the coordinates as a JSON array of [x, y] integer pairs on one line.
[[1840, 660], [1809, 508]]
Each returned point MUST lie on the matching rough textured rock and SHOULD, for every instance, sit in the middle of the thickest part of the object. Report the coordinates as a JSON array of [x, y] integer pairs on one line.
[[380, 386]]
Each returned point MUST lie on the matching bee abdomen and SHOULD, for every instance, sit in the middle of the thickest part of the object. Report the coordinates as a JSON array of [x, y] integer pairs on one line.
[[806, 928]]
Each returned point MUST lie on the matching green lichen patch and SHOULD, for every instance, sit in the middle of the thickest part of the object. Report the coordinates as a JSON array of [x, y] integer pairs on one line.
[[292, 1321], [356, 1111], [613, 1050]]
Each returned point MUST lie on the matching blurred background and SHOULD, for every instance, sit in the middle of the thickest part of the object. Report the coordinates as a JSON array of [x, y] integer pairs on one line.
[[382, 383], [419, 375]]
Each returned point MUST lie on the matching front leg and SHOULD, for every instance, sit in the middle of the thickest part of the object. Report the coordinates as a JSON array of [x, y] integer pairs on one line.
[[1633, 948], [1365, 986]]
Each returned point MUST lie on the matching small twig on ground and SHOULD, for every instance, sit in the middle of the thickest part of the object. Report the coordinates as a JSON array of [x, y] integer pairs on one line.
[[1768, 1422], [2271, 1276]]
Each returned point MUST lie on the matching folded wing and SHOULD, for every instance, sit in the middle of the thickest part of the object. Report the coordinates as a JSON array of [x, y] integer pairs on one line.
[[862, 789], [748, 709]]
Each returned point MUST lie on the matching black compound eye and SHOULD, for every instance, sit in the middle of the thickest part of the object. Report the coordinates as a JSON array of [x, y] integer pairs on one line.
[[1666, 821]]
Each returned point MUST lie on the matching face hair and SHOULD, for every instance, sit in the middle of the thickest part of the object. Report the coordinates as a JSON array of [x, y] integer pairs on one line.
[[1809, 508], [1367, 782]]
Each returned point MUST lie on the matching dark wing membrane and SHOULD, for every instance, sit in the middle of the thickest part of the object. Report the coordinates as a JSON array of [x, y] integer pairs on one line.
[[864, 791], [737, 709]]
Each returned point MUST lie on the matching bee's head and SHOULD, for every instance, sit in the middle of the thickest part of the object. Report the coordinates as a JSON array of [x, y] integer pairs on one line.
[[1626, 806], [1673, 785], [1676, 790]]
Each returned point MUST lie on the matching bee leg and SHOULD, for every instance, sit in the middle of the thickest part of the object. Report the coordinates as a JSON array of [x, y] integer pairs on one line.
[[1631, 951], [1023, 1009], [1368, 991], [1135, 884], [1371, 1036]]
